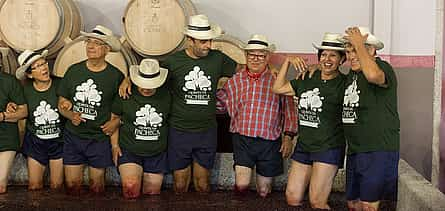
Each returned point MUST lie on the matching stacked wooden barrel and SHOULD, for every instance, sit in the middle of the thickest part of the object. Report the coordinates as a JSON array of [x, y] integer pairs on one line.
[[38, 24]]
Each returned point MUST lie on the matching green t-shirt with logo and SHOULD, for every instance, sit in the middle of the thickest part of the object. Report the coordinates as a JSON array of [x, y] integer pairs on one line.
[[319, 112], [193, 84], [144, 128], [92, 94], [10, 91], [370, 118], [44, 119]]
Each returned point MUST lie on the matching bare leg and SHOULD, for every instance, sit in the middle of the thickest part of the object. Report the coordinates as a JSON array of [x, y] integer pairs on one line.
[[131, 175], [73, 178], [97, 179], [201, 178], [152, 183], [35, 174], [263, 185], [242, 179], [181, 179], [6, 160], [298, 179], [56, 173], [321, 184]]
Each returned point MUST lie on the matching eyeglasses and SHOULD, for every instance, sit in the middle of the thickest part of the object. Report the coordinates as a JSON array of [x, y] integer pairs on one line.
[[39, 66], [260, 57], [94, 42]]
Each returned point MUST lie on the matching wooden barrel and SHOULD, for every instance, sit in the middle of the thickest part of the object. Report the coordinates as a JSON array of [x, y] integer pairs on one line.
[[154, 27], [75, 52], [8, 60], [38, 24], [231, 46]]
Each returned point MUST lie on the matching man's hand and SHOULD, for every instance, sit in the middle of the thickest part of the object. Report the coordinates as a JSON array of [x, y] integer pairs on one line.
[[11, 107], [116, 152], [286, 146], [66, 105], [354, 36], [110, 126], [310, 70], [221, 82], [125, 88], [76, 119], [298, 63]]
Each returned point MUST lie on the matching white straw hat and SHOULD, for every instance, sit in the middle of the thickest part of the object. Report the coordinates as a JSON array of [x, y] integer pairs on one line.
[[106, 35], [331, 41], [259, 42], [148, 74], [200, 28], [25, 60]]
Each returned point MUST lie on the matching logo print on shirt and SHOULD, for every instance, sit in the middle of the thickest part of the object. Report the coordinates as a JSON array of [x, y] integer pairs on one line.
[[86, 98], [351, 101], [46, 119], [310, 105], [197, 86], [147, 123]]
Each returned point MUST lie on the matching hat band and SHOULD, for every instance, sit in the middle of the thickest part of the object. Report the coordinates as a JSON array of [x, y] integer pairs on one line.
[[332, 44], [98, 32], [198, 28], [29, 57], [149, 75], [258, 42]]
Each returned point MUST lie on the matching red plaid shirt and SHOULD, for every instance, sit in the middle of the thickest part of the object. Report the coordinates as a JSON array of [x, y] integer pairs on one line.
[[255, 110]]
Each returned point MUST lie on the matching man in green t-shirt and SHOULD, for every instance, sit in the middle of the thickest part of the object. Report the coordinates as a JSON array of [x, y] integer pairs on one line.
[[193, 78], [194, 74], [90, 88], [371, 123], [10, 91]]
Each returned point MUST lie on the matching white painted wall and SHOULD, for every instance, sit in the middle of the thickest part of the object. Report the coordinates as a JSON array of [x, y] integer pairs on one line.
[[406, 26]]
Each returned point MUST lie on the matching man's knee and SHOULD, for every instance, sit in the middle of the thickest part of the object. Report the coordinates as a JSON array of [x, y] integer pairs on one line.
[[264, 190], [293, 197], [131, 188]]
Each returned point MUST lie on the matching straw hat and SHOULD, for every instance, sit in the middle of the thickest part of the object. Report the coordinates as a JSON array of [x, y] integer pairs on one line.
[[148, 74], [331, 41], [25, 60], [200, 28], [106, 35], [259, 42]]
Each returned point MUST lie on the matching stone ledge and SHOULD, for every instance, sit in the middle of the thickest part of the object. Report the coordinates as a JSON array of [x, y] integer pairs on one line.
[[415, 192], [222, 175]]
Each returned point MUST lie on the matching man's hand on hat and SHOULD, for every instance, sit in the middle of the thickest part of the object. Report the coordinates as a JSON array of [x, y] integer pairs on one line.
[[354, 36]]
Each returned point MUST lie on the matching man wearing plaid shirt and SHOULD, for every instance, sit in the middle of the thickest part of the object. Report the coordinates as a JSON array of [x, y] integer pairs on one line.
[[258, 119]]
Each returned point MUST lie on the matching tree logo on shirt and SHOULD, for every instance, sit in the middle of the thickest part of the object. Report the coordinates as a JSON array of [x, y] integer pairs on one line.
[[87, 93], [44, 114], [311, 100], [148, 117], [352, 98], [196, 80]]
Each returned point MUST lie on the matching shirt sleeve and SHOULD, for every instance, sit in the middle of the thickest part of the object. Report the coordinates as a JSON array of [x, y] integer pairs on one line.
[[295, 83], [290, 114], [228, 66], [229, 97], [116, 107], [17, 95], [390, 76], [63, 89]]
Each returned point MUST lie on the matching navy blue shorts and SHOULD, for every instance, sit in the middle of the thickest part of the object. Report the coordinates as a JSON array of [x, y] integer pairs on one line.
[[77, 151], [150, 164], [372, 176], [185, 147], [41, 150], [262, 153], [334, 156]]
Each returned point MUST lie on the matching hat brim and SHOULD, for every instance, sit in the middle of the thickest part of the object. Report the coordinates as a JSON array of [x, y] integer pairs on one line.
[[112, 41], [320, 47], [147, 83], [270, 48], [372, 40], [214, 32], [20, 72]]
